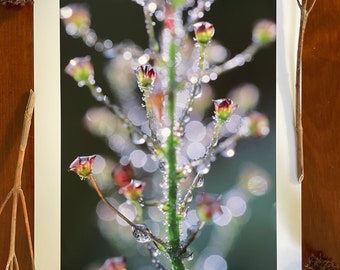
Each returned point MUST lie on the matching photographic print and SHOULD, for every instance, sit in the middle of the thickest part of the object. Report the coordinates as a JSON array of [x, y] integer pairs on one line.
[[168, 134]]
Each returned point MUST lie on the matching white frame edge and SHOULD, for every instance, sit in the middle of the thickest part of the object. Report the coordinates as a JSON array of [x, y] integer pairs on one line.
[[289, 235], [47, 134]]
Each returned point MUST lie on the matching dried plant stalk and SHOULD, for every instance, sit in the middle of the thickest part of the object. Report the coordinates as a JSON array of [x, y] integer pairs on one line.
[[16, 191], [16, 2], [305, 10]]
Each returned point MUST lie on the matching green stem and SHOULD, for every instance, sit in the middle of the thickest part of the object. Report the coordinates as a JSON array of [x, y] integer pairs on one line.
[[153, 44], [171, 217]]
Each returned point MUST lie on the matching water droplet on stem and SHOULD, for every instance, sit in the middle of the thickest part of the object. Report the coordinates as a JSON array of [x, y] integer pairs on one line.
[[139, 235]]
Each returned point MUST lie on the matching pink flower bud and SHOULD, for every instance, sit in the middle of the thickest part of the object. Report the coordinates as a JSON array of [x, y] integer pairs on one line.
[[145, 76], [115, 263], [76, 18], [224, 108], [122, 175], [81, 70], [82, 166], [264, 32], [133, 191], [207, 206], [204, 32]]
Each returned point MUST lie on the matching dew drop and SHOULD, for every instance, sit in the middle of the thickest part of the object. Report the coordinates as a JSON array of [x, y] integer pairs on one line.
[[189, 198], [140, 236], [228, 153], [159, 15], [204, 167], [137, 138], [205, 78], [200, 181], [81, 83], [164, 185], [155, 252], [186, 119], [188, 255], [198, 92]]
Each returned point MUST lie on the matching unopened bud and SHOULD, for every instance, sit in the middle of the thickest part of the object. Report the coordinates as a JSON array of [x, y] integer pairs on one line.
[[76, 18], [145, 76], [207, 206], [81, 70], [224, 108], [204, 32], [133, 191], [264, 32]]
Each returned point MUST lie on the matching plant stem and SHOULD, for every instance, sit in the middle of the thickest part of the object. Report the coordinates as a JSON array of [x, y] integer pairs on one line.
[[304, 13], [118, 213], [16, 190], [99, 96], [189, 193], [172, 218], [153, 44], [192, 237], [237, 61]]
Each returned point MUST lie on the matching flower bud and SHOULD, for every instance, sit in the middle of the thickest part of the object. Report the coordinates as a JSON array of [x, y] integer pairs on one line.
[[81, 70], [264, 32], [115, 263], [224, 108], [257, 124], [133, 191], [122, 175], [145, 76], [207, 206], [204, 32], [76, 18], [82, 166]]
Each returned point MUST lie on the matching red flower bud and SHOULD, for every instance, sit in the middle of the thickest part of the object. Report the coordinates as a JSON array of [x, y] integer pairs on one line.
[[204, 32], [122, 175], [145, 76], [133, 191], [207, 206], [224, 108], [82, 166]]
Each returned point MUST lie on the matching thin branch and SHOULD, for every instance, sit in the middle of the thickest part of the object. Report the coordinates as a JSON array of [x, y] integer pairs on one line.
[[190, 191], [311, 7], [9, 195], [27, 225], [192, 237], [118, 213], [304, 13], [237, 61], [16, 191], [299, 4], [153, 44]]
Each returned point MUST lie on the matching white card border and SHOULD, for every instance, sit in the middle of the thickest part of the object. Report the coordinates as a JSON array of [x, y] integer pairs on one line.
[[47, 138]]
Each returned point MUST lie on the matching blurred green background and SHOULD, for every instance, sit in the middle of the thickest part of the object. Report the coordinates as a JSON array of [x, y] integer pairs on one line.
[[81, 242]]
